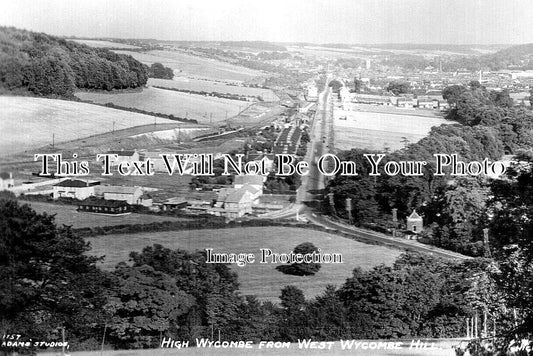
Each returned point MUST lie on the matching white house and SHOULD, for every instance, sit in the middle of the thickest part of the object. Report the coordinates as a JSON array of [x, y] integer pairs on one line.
[[74, 188], [6, 180], [233, 203], [255, 181]]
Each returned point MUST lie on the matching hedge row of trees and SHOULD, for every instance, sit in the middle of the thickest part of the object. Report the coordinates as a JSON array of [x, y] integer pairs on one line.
[[50, 66]]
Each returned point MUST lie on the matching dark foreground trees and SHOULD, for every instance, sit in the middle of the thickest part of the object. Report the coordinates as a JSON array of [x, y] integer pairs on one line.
[[46, 281]]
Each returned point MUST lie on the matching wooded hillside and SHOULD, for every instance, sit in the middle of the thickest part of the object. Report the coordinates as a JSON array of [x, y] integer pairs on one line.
[[50, 66]]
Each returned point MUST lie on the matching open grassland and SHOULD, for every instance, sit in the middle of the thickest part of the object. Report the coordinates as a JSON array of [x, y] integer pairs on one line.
[[67, 215], [27, 122], [208, 86], [104, 44], [203, 109], [262, 280], [194, 66], [377, 131]]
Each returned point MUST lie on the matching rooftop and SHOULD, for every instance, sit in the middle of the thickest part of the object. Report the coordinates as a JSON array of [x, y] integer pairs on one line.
[[122, 153], [76, 183]]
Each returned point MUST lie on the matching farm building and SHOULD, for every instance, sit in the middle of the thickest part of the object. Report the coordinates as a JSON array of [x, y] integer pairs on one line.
[[233, 203], [74, 188], [174, 204], [130, 195], [6, 180], [102, 206]]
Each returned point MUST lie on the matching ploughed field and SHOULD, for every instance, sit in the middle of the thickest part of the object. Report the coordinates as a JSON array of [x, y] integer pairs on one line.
[[377, 131], [208, 86], [27, 123], [194, 66], [201, 108], [262, 280]]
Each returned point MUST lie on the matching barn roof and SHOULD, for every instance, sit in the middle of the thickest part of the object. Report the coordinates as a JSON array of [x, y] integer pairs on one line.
[[76, 183]]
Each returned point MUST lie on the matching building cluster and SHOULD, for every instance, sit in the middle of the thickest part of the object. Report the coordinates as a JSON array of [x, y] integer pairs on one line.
[[288, 141], [97, 198]]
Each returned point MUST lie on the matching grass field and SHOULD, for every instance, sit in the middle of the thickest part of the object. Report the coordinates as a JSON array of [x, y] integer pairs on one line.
[[196, 67], [262, 280], [27, 123], [376, 131], [163, 101], [211, 86], [67, 214]]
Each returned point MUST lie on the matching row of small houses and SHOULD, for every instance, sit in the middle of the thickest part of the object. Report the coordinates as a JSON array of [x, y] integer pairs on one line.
[[288, 140], [422, 102]]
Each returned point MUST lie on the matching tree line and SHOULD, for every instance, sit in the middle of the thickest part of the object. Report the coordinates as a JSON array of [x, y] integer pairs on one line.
[[45, 65]]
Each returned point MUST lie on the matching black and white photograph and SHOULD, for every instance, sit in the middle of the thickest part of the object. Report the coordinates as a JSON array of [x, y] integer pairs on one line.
[[282, 177]]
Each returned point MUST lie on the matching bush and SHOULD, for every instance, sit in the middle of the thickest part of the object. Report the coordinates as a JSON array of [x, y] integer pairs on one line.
[[302, 269]]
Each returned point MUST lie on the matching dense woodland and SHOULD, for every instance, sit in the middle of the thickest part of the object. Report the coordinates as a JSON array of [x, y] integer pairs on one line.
[[45, 65]]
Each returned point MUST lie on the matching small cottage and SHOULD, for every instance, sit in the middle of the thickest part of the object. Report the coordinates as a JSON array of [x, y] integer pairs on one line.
[[6, 180], [415, 223]]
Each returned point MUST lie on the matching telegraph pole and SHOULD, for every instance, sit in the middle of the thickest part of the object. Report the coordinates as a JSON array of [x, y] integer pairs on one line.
[[486, 247], [349, 210], [394, 221], [332, 204]]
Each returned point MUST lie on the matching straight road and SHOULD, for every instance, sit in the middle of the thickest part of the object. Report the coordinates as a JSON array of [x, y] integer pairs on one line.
[[312, 187]]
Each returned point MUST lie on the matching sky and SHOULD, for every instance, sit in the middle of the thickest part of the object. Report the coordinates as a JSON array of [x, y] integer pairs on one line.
[[316, 21]]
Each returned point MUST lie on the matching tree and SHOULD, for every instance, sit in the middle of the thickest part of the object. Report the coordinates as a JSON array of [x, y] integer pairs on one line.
[[398, 87], [47, 281], [292, 299], [459, 211], [358, 85], [293, 316], [335, 85], [303, 268], [451, 94], [146, 303], [157, 70], [213, 285], [510, 236], [503, 99]]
